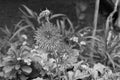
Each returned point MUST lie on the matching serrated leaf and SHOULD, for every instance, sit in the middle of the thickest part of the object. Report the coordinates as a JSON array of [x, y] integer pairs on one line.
[[27, 69]]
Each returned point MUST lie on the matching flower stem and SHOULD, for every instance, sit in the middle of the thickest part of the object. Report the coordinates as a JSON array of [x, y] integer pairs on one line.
[[95, 23]]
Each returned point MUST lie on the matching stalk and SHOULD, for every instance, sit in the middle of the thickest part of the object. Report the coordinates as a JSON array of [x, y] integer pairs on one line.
[[95, 23]]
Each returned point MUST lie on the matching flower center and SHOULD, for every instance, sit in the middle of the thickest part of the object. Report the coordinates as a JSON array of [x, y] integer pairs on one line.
[[48, 34]]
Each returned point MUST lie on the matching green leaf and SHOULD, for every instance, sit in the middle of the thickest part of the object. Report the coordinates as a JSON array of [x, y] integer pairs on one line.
[[18, 31], [17, 67], [99, 67], [70, 75], [6, 30], [22, 77], [8, 68], [29, 11], [12, 74], [1, 74], [80, 75], [57, 15], [95, 38], [27, 69], [38, 78], [1, 64]]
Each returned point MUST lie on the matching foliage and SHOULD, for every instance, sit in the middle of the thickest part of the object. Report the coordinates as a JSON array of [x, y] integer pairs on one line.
[[58, 51]]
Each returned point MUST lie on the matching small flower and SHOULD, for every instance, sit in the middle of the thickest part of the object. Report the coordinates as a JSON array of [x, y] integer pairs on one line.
[[24, 43], [75, 39], [82, 43], [28, 61], [36, 47], [44, 13], [24, 36], [81, 35], [51, 60], [84, 66], [18, 58], [33, 50]]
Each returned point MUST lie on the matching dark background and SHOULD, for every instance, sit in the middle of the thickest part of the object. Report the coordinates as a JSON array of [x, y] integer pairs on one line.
[[10, 14]]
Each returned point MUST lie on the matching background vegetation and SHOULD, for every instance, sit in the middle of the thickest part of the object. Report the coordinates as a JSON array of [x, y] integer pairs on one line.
[[48, 46]]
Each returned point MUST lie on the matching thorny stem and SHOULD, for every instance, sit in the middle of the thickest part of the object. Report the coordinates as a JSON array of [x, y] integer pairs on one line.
[[95, 23]]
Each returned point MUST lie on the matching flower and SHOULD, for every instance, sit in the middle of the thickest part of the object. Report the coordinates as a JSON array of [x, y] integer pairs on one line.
[[28, 61], [44, 14], [82, 43], [75, 39], [24, 36], [24, 43], [47, 36], [18, 58]]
